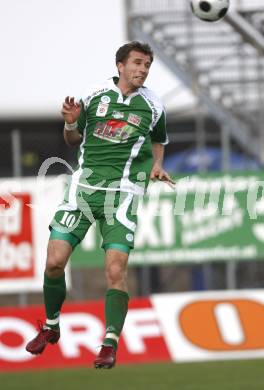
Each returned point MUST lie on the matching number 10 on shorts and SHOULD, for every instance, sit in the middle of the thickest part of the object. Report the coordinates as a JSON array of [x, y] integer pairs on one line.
[[68, 219]]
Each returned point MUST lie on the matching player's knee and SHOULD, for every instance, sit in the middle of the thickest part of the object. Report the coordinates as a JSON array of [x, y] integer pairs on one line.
[[54, 266], [115, 273], [56, 261]]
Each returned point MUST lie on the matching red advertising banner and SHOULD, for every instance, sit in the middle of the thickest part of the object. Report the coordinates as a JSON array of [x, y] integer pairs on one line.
[[26, 208], [82, 332], [16, 243], [181, 327]]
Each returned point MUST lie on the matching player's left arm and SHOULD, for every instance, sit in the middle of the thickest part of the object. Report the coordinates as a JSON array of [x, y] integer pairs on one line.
[[157, 171], [159, 139]]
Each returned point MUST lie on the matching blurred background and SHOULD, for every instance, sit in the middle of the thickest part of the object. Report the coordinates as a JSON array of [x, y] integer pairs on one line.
[[210, 77]]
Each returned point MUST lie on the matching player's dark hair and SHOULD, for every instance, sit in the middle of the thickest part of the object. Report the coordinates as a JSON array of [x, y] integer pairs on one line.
[[124, 51]]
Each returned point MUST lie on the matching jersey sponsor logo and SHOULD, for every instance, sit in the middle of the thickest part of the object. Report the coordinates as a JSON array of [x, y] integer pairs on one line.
[[134, 119], [114, 131], [102, 109], [105, 99], [118, 115]]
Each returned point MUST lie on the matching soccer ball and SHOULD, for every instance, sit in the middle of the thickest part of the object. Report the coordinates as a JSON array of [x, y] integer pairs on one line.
[[210, 10]]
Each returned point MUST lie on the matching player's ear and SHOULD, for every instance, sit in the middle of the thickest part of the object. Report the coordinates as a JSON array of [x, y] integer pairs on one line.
[[120, 67]]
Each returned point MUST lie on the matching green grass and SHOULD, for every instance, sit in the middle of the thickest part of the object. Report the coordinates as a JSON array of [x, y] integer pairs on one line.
[[231, 375]]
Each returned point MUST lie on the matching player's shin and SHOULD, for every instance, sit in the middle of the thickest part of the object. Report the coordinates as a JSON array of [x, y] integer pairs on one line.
[[54, 290], [116, 305]]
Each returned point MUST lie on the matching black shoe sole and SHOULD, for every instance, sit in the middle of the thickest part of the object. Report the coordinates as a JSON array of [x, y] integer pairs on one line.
[[105, 366]]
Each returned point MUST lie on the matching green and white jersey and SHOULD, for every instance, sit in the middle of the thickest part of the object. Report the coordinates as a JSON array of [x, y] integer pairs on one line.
[[118, 132]]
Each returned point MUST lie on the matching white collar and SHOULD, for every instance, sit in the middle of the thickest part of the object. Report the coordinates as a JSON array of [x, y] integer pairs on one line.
[[120, 99]]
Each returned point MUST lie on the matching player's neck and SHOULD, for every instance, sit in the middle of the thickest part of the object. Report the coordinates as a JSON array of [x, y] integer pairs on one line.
[[126, 89]]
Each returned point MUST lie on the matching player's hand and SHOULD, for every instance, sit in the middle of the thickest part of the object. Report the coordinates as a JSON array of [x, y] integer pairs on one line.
[[158, 173], [70, 110]]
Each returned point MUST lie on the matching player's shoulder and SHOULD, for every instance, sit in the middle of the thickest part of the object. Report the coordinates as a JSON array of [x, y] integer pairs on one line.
[[151, 97], [94, 90]]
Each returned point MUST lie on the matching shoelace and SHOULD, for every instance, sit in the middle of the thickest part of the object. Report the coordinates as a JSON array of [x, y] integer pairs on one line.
[[40, 325], [41, 329], [104, 351]]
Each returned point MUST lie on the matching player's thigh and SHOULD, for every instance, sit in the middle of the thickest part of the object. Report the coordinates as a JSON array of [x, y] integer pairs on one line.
[[119, 226], [68, 227], [74, 217], [71, 222]]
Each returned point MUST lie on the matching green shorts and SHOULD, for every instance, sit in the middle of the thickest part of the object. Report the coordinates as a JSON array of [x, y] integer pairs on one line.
[[115, 212]]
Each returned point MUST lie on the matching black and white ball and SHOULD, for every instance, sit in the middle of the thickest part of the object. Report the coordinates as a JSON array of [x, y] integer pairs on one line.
[[210, 10]]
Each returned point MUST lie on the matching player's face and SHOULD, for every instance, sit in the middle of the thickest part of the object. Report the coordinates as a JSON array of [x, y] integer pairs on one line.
[[134, 71]]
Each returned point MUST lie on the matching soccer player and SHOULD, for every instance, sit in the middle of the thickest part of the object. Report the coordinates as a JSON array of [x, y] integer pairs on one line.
[[120, 127]]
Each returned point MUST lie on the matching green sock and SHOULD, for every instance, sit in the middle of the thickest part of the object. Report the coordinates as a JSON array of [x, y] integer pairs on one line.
[[116, 304], [54, 295]]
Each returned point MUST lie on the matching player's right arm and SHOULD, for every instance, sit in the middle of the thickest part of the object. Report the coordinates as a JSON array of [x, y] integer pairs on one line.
[[71, 111]]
